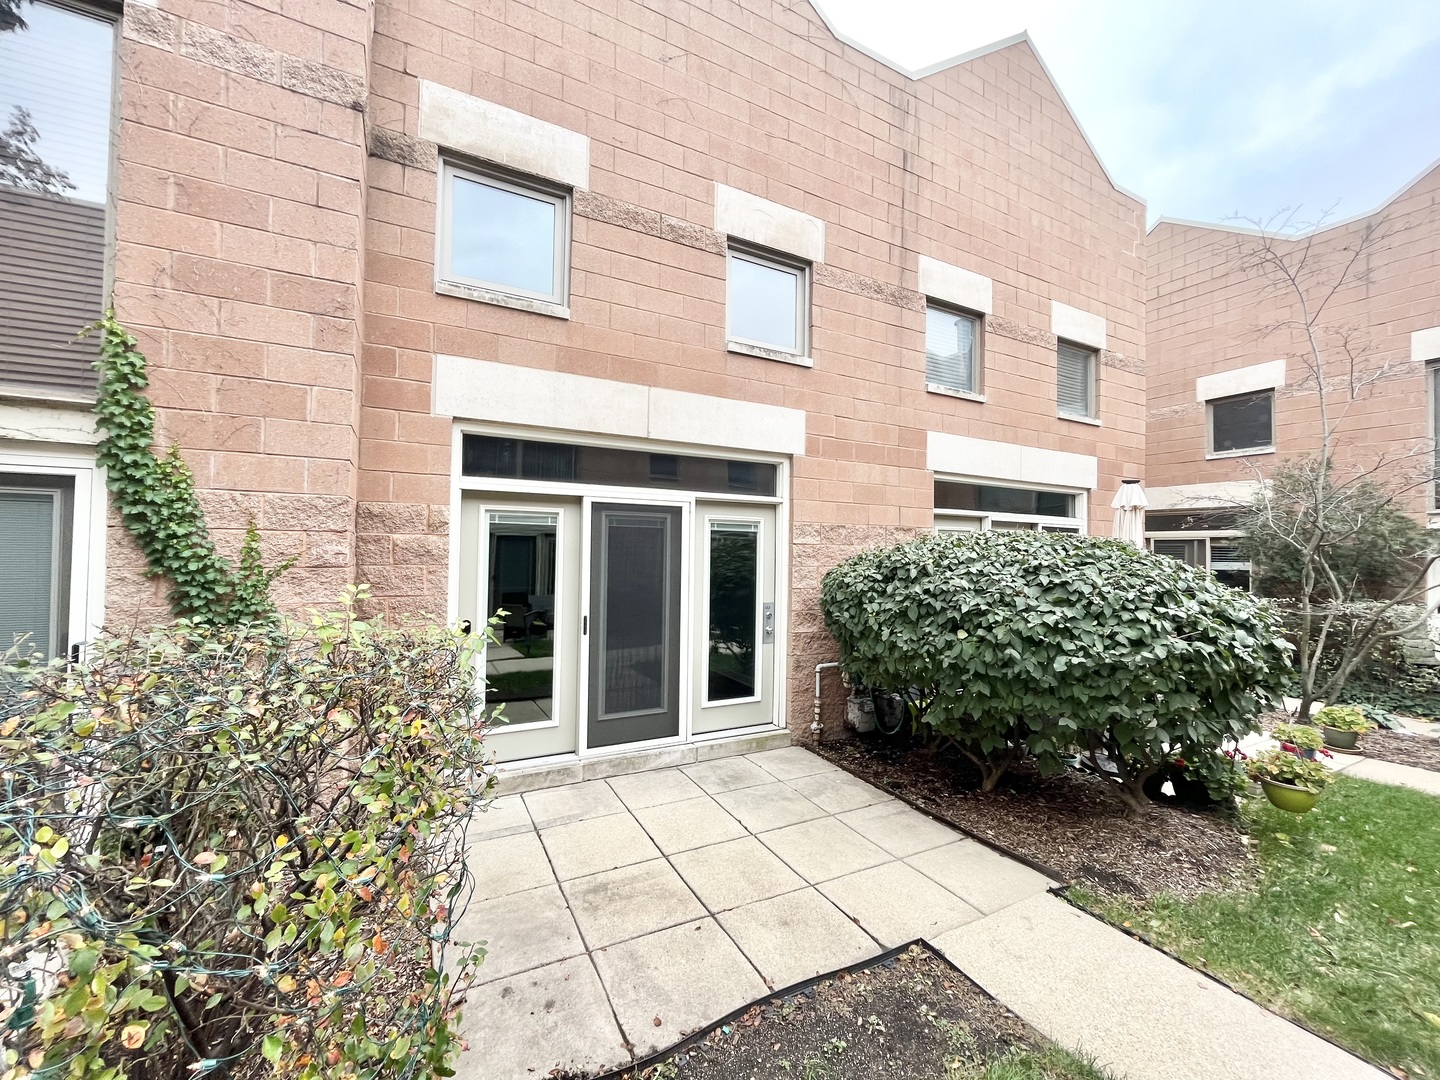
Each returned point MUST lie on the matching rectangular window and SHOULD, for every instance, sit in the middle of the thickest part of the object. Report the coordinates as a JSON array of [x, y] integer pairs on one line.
[[34, 534], [520, 562], [731, 661], [1075, 380], [505, 235], [56, 74], [768, 305], [1245, 422], [523, 459], [952, 341], [954, 495], [1190, 552]]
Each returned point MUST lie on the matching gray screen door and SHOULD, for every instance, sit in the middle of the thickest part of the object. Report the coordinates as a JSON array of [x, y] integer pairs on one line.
[[634, 625]]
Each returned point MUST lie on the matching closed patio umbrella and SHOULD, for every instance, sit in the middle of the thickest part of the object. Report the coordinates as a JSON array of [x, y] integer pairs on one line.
[[1129, 504]]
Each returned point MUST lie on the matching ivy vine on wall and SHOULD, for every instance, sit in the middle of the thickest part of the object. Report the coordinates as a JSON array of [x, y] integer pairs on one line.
[[155, 495]]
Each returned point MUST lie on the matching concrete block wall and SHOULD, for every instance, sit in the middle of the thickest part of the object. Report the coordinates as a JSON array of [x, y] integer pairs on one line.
[[1207, 315], [980, 165], [238, 263]]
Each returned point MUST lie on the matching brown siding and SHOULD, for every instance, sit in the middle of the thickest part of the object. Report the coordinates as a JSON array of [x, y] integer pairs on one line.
[[52, 283]]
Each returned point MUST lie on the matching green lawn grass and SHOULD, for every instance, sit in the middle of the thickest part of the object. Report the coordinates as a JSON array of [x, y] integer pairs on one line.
[[1342, 931]]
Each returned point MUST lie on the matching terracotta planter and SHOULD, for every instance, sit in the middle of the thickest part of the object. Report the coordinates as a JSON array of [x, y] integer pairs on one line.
[[1296, 800], [1340, 740]]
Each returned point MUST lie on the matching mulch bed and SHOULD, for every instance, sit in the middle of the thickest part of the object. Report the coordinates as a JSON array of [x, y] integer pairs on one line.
[[1069, 822], [913, 1016], [1402, 749]]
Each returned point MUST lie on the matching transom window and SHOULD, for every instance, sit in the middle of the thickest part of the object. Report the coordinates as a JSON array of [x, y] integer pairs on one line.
[[1243, 423], [504, 234], [1075, 380], [952, 346], [768, 303], [527, 459]]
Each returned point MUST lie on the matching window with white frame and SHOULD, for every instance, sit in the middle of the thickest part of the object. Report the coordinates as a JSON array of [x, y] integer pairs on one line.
[[1242, 424], [36, 515], [768, 301], [952, 350], [1075, 380], [963, 506], [1206, 539], [504, 234]]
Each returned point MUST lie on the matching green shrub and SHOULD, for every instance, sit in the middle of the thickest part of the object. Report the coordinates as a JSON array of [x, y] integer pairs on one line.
[[1008, 642], [239, 851]]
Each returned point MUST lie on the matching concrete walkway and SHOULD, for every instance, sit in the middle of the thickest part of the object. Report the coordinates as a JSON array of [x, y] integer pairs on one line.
[[623, 913], [1388, 772]]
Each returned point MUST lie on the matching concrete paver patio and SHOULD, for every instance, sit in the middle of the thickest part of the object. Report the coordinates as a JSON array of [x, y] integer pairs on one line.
[[623, 913]]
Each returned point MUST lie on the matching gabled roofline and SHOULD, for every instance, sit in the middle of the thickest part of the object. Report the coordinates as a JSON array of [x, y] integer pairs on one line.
[[1250, 230], [920, 74]]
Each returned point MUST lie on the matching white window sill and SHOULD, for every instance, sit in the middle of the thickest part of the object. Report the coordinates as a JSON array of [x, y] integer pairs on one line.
[[948, 391], [746, 349], [500, 299], [1093, 421], [1259, 451]]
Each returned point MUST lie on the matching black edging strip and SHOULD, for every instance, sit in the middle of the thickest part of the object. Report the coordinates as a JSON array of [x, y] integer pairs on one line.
[[699, 1035], [1034, 864], [1063, 892]]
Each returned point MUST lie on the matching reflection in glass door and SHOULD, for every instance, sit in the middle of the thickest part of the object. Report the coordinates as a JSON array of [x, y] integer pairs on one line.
[[520, 670], [634, 631]]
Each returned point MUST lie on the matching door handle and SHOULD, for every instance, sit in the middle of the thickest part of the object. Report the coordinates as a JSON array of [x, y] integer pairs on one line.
[[584, 625], [767, 623]]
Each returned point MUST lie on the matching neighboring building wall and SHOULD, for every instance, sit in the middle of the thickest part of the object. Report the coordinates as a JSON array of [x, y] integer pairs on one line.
[[1205, 316], [238, 258], [980, 165]]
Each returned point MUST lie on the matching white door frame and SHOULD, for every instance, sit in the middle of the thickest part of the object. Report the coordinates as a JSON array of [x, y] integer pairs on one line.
[[590, 493]]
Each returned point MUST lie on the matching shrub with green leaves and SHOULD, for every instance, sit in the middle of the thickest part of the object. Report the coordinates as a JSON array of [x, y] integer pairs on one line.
[[238, 851], [1016, 642]]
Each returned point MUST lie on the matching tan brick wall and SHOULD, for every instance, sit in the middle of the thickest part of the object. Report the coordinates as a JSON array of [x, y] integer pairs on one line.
[[1206, 315], [238, 261], [980, 165]]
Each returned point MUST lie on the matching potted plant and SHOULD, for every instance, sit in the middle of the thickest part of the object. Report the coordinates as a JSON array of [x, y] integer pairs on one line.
[[1300, 739], [1342, 725], [1290, 782]]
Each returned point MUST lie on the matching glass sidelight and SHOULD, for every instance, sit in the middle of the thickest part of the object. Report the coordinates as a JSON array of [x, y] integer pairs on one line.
[[634, 624]]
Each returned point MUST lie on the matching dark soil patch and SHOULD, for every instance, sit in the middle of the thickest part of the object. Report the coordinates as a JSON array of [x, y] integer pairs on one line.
[[1069, 822], [911, 1017], [1402, 749]]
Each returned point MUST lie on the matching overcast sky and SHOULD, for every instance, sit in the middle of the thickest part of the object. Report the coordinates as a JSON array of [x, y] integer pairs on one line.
[[1209, 108]]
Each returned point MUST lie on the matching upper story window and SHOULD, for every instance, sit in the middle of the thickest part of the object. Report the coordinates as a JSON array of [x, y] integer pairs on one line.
[[56, 71], [768, 304], [1075, 380], [504, 237], [952, 350], [1243, 424]]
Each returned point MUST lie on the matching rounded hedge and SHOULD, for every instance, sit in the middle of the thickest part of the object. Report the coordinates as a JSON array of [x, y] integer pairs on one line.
[[1040, 642]]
